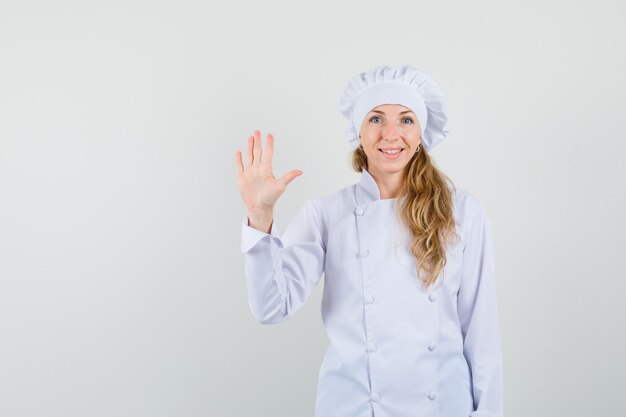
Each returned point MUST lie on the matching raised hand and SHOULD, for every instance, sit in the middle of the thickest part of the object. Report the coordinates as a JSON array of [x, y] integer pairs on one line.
[[258, 187]]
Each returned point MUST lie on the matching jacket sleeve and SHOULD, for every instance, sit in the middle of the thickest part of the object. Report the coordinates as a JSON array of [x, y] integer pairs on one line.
[[478, 316], [281, 272]]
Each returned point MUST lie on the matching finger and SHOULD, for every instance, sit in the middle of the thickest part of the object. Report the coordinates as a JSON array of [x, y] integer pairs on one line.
[[256, 150], [269, 150], [288, 177], [249, 152], [238, 163]]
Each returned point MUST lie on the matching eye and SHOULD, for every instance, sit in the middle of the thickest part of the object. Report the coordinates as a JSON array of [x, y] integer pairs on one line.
[[374, 117], [409, 119]]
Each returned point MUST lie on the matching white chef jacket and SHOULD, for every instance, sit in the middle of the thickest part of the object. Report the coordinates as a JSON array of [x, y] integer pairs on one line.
[[396, 349]]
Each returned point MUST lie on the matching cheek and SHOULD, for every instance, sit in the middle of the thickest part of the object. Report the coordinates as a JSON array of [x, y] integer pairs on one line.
[[369, 137]]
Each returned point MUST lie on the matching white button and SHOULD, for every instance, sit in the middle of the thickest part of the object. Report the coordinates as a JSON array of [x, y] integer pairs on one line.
[[369, 299], [432, 395], [432, 297], [432, 346], [375, 397], [371, 347], [359, 211], [365, 253]]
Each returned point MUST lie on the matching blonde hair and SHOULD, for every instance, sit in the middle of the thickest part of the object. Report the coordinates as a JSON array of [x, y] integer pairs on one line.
[[427, 211]]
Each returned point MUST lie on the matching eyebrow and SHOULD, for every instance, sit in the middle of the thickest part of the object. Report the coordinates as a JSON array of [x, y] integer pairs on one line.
[[382, 112]]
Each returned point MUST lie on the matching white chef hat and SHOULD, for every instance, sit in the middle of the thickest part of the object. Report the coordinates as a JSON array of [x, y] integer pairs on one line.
[[404, 85]]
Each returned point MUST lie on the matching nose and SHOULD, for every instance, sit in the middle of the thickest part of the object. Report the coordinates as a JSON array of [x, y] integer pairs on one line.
[[391, 132]]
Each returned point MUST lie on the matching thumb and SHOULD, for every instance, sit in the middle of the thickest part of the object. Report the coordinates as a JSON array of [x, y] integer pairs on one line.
[[288, 177]]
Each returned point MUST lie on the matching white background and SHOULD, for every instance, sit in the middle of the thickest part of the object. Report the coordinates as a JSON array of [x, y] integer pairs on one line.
[[122, 290]]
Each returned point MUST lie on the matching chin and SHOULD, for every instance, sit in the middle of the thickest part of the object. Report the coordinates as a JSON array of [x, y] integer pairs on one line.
[[397, 166]]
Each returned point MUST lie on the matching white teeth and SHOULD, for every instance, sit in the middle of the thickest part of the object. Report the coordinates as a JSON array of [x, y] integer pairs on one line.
[[391, 151]]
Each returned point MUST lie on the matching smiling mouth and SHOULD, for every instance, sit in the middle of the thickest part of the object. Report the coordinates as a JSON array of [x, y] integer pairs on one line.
[[395, 151]]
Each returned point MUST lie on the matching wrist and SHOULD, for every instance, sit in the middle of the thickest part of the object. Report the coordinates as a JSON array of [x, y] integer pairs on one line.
[[261, 220]]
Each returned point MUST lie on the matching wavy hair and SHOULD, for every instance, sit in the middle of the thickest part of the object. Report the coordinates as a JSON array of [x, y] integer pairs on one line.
[[427, 211]]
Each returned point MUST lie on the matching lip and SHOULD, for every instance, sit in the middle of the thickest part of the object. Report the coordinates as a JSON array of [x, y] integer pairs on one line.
[[389, 156]]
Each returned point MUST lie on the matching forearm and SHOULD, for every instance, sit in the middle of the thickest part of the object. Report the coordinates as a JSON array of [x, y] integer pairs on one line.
[[266, 283]]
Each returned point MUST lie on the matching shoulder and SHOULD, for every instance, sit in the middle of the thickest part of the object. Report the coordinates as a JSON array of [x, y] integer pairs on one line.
[[465, 202], [332, 208], [326, 209], [333, 201], [467, 208]]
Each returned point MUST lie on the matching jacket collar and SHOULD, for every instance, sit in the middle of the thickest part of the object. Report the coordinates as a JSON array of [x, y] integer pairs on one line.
[[367, 190]]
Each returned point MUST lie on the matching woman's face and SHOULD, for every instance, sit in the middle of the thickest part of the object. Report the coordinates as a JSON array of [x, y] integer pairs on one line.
[[389, 127]]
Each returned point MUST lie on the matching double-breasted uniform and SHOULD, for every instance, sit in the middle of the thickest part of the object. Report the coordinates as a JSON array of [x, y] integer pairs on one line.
[[396, 349]]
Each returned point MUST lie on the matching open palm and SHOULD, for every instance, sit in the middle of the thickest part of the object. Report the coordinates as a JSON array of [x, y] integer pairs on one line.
[[258, 187]]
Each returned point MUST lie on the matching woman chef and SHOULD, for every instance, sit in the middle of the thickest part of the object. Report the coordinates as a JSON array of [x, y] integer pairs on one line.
[[409, 301]]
